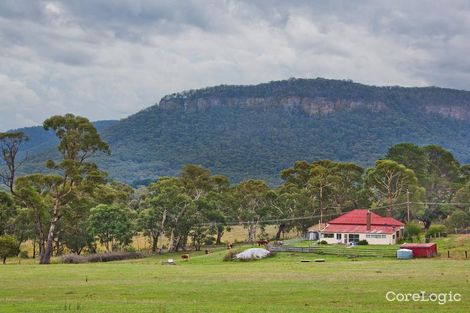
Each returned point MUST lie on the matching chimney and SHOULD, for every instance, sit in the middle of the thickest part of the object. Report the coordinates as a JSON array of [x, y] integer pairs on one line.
[[368, 220]]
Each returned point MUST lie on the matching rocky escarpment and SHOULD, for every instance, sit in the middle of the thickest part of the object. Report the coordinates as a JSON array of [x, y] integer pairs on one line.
[[310, 106], [457, 112], [322, 97]]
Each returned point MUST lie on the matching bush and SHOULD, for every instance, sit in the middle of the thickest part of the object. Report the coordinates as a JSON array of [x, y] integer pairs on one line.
[[363, 242], [130, 249], [8, 247], [323, 242], [458, 219], [209, 241], [230, 256], [103, 257], [436, 230], [412, 230], [23, 254]]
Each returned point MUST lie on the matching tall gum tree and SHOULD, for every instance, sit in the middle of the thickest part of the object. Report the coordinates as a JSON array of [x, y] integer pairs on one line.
[[10, 146], [389, 182], [78, 141]]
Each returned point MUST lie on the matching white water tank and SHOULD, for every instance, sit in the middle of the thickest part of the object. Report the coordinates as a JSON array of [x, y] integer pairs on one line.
[[404, 254]]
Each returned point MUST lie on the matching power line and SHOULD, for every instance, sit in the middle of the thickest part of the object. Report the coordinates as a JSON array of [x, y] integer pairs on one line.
[[276, 221], [437, 203], [235, 223]]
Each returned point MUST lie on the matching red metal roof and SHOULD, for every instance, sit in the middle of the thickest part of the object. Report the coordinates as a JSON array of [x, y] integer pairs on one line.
[[359, 217], [342, 228], [417, 245]]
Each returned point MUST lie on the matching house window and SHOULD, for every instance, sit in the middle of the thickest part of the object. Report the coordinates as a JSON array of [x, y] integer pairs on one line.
[[353, 238], [338, 236], [328, 235], [376, 236]]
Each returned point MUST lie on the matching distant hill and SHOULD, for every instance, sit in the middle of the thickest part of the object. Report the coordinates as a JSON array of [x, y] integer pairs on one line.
[[255, 131], [42, 144]]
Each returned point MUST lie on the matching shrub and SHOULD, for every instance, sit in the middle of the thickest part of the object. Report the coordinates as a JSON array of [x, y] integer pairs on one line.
[[8, 247], [130, 249], [412, 230], [230, 256], [436, 230], [209, 241], [323, 242], [23, 254], [458, 219], [363, 242], [103, 257]]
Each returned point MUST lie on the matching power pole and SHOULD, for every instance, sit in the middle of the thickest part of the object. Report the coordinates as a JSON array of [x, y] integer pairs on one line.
[[408, 205]]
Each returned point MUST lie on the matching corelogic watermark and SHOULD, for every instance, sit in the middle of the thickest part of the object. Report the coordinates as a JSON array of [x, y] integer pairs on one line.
[[423, 296]]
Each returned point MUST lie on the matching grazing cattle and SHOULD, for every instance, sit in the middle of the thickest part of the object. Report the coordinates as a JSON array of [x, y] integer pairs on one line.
[[262, 242], [185, 257], [229, 246]]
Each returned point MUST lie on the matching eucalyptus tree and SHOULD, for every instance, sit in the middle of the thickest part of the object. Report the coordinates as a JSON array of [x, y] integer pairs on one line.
[[75, 175], [7, 211], [322, 184], [33, 192], [10, 146], [196, 180], [111, 225], [413, 157], [169, 210], [293, 201], [463, 195], [347, 187], [221, 198], [444, 174], [251, 203], [389, 183], [298, 175]]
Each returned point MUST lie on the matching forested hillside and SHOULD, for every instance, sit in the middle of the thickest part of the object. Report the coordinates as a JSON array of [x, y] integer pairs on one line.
[[41, 142], [256, 131]]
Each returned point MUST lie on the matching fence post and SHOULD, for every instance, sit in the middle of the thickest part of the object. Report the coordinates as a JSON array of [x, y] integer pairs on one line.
[[465, 253], [448, 254]]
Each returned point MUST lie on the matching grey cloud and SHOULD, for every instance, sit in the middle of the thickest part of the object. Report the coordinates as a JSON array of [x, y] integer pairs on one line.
[[107, 59]]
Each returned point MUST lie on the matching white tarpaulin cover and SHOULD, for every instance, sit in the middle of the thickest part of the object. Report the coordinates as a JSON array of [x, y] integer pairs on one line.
[[253, 253]]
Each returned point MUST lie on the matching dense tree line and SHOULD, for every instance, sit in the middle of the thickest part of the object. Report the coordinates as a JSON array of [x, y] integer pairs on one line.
[[77, 206]]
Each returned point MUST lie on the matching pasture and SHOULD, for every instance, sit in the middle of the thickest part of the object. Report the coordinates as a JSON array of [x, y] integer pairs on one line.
[[206, 284]]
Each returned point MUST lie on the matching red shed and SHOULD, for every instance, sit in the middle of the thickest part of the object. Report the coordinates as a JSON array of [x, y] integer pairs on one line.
[[421, 250]]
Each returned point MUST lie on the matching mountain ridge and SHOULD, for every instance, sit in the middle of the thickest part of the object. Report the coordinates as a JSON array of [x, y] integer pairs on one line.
[[256, 131]]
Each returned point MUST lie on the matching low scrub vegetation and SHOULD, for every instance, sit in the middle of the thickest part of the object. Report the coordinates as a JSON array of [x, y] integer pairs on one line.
[[102, 257], [230, 256]]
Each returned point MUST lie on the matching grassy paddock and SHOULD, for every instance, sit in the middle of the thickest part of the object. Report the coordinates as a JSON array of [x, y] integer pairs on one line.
[[206, 284]]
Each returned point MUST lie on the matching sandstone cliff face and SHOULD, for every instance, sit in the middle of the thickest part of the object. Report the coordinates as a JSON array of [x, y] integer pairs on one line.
[[451, 111], [311, 106], [317, 97]]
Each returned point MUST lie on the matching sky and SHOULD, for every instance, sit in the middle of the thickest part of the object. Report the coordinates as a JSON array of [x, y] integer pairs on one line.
[[109, 59]]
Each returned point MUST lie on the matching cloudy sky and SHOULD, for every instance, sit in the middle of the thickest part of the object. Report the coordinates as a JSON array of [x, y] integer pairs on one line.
[[108, 59]]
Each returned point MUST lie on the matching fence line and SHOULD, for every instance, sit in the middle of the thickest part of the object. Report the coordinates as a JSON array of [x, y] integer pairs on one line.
[[341, 251]]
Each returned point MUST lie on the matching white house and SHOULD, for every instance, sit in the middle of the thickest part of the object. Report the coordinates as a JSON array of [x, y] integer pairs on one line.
[[362, 224]]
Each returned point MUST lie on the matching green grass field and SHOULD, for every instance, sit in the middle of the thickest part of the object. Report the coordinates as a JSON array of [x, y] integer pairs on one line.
[[206, 284]]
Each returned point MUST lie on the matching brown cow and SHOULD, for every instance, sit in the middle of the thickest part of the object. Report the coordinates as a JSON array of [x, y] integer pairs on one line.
[[262, 242], [185, 257]]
